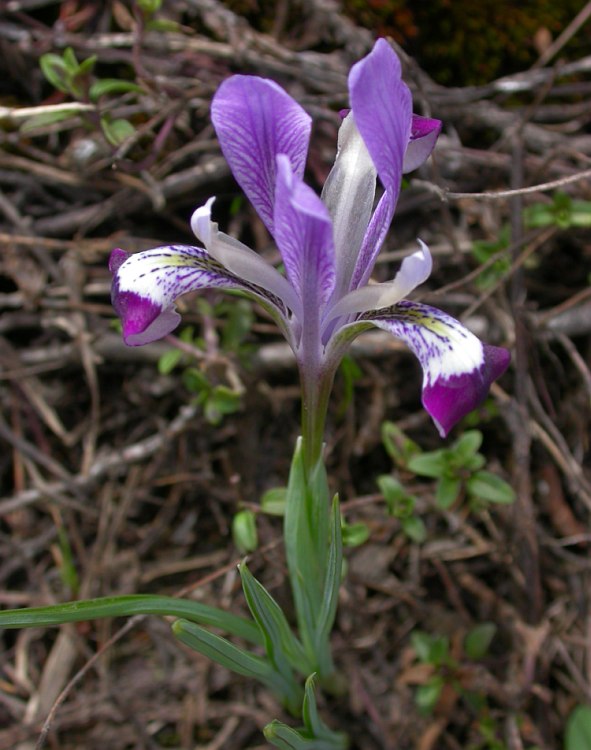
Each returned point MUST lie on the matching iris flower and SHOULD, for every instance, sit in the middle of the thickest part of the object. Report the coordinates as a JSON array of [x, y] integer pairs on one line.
[[328, 244]]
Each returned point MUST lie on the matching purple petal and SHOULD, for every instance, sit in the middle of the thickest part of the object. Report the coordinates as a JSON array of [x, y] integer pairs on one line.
[[423, 136], [382, 108], [457, 368], [303, 231], [145, 286], [374, 238], [255, 120]]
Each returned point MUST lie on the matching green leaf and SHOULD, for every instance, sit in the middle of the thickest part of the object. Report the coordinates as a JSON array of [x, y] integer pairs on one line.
[[578, 729], [56, 71], [149, 6], [400, 503], [195, 381], [414, 528], [330, 590], [48, 118], [355, 534], [426, 696], [70, 61], [433, 464], [478, 640], [314, 725], [490, 487], [116, 131], [112, 86], [244, 531], [68, 572], [467, 445], [221, 651], [398, 446], [273, 501], [169, 360], [86, 66], [126, 606], [287, 738], [283, 649], [422, 643], [221, 401], [306, 535], [447, 492]]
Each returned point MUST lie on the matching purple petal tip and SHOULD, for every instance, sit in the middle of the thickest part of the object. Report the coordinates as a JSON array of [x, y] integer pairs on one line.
[[449, 400]]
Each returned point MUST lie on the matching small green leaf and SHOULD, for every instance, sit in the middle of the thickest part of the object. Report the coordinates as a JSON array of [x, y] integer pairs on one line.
[[70, 61], [355, 534], [244, 531], [112, 86], [314, 725], [399, 447], [433, 464], [427, 695], [578, 729], [467, 444], [447, 492], [56, 72], [221, 401], [149, 6], [86, 66], [422, 644], [68, 572], [400, 504], [273, 501], [490, 487], [414, 528], [478, 640], [169, 360], [195, 381], [116, 131]]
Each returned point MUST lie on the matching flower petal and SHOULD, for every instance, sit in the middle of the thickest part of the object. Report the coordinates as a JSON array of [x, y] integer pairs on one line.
[[423, 136], [348, 194], [382, 108], [240, 260], [415, 269], [457, 368], [255, 120], [146, 284], [303, 231]]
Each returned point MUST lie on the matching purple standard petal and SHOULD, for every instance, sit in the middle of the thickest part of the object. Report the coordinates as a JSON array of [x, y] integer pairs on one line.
[[145, 286], [303, 231], [382, 108], [423, 136], [457, 368], [255, 120]]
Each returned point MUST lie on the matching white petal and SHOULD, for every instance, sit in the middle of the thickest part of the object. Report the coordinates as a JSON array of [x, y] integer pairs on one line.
[[415, 269]]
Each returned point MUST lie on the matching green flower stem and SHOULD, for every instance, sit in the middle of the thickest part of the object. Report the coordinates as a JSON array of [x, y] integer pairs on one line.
[[316, 387]]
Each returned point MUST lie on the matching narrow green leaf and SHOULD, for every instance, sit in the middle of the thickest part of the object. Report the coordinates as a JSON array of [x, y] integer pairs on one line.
[[70, 61], [578, 729], [221, 651], [240, 661], [112, 86], [47, 118], [399, 447], [488, 486], [168, 361], [126, 606], [332, 584], [314, 725], [287, 738], [284, 650]]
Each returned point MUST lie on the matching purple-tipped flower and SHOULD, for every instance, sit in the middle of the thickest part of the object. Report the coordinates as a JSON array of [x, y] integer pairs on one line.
[[328, 244]]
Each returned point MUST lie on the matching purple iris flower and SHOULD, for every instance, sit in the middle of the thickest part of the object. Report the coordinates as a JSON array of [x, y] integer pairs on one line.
[[328, 244]]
